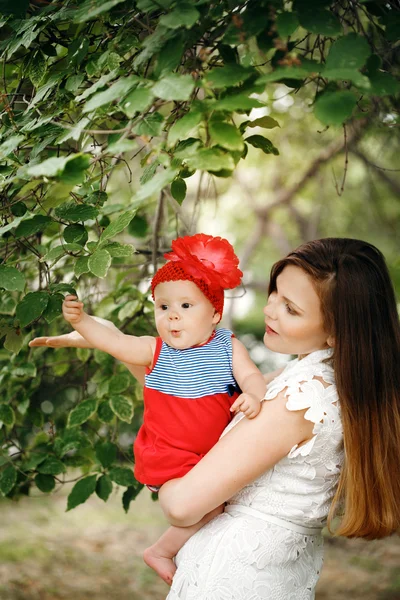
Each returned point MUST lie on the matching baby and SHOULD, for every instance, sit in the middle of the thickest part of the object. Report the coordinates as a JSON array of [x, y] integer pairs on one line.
[[193, 371]]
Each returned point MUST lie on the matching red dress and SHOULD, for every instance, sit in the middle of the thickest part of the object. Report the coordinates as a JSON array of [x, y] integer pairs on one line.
[[187, 397]]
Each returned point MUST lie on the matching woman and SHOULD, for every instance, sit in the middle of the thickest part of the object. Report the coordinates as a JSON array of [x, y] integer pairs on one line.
[[283, 473]]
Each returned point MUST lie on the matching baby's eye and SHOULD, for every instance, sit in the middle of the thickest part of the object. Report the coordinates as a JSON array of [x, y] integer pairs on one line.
[[186, 305], [163, 307]]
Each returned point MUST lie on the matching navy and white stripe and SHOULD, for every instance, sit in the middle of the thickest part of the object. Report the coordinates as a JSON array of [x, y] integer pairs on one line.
[[194, 372]]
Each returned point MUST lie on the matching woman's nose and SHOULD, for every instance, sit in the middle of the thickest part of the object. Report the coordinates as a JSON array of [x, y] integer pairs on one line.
[[269, 311]]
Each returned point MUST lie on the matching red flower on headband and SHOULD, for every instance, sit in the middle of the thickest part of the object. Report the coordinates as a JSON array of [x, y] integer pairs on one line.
[[209, 258]]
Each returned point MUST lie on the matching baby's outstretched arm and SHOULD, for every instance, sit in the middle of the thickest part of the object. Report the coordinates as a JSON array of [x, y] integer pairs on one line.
[[127, 348], [250, 381], [73, 339]]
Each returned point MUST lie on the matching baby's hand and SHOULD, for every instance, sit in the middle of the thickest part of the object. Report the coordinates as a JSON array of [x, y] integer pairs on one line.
[[72, 309], [248, 404]]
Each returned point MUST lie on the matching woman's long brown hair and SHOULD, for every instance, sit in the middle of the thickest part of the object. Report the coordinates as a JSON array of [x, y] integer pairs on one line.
[[359, 311]]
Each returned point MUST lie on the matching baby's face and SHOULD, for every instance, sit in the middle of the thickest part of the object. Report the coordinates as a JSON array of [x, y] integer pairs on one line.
[[184, 316]]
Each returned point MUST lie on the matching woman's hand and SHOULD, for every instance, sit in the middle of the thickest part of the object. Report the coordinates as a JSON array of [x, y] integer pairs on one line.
[[72, 309]]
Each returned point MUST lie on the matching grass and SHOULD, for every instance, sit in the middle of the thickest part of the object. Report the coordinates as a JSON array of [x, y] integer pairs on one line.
[[96, 550]]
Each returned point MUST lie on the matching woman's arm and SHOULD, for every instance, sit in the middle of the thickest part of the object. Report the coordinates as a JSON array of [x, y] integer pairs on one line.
[[249, 449]]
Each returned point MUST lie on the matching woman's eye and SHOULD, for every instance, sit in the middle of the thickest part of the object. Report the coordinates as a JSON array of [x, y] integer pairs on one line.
[[290, 310], [186, 305]]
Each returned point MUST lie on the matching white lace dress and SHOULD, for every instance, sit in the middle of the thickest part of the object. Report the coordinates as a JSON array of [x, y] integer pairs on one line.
[[268, 544]]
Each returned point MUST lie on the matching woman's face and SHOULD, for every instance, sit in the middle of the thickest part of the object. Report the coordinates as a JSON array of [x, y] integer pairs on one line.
[[293, 315]]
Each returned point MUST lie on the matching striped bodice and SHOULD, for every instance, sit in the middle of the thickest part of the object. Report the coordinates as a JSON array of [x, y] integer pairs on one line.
[[194, 372]]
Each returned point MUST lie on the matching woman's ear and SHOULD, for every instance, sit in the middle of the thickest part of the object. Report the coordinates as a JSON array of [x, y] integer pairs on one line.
[[331, 341]]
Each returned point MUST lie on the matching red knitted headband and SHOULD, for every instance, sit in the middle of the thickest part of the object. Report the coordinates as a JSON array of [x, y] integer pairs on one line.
[[210, 262]]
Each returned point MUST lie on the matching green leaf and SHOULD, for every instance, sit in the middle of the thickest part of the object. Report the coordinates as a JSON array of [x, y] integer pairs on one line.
[[117, 226], [37, 68], [8, 478], [81, 266], [265, 122], [334, 108], [237, 103], [106, 453], [121, 146], [184, 127], [104, 487], [105, 413], [286, 24], [34, 459], [11, 279], [117, 250], [178, 189], [264, 144], [185, 15], [63, 287], [99, 263], [75, 234], [45, 483], [122, 407], [57, 166], [19, 209], [226, 135], [319, 21], [81, 413], [7, 415], [174, 87], [32, 226], [343, 74], [384, 84], [150, 125], [75, 168], [122, 476], [156, 184], [137, 101], [91, 9], [73, 83], [25, 370], [119, 383], [53, 308], [13, 341], [69, 211], [116, 91], [10, 145], [231, 74], [211, 159], [130, 494], [31, 307], [97, 86], [81, 491], [348, 52], [51, 466]]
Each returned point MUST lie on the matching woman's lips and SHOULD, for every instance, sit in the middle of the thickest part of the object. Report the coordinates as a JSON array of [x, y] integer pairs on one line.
[[270, 331]]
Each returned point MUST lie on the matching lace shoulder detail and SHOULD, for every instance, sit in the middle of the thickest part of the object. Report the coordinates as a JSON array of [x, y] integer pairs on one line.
[[302, 380]]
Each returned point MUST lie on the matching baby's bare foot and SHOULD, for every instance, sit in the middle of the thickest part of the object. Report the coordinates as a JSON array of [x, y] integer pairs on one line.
[[164, 566]]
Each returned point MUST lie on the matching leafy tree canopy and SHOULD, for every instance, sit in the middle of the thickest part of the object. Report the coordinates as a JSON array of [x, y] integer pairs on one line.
[[89, 85]]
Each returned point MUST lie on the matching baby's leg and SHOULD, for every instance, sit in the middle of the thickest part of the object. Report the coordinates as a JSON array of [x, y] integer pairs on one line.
[[159, 556]]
